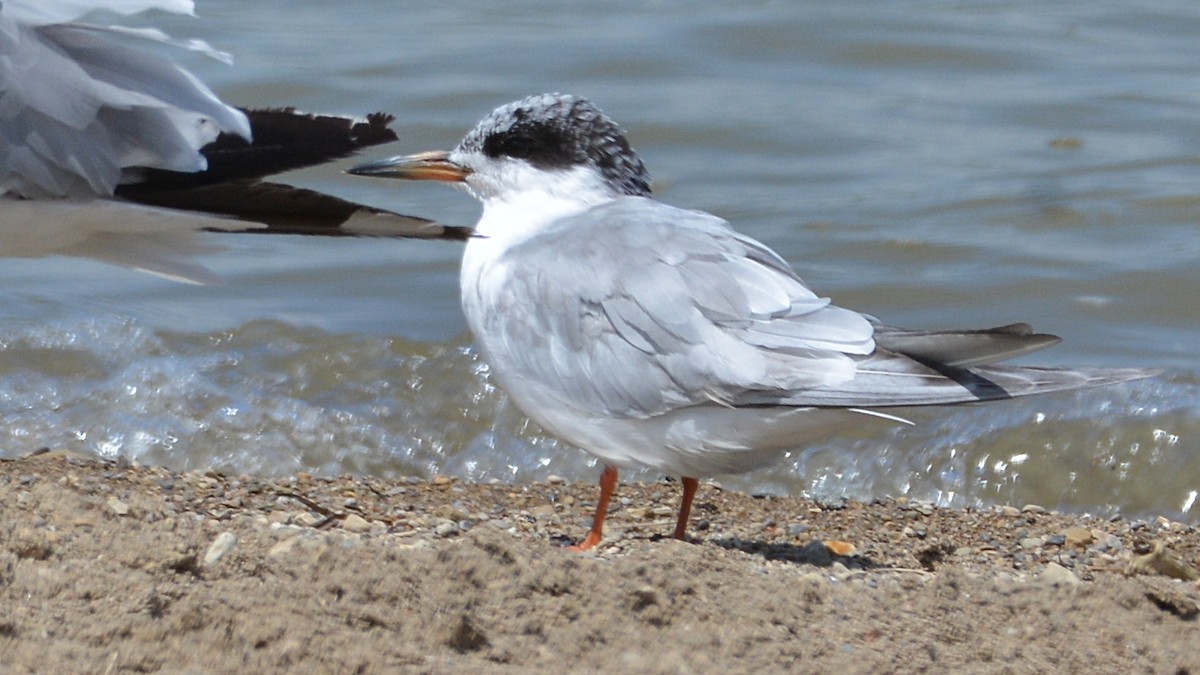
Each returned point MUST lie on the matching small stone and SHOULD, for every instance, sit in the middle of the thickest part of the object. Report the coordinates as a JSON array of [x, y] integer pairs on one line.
[[441, 480], [1105, 541], [284, 547], [279, 517], [555, 480], [1033, 508], [811, 579], [1057, 575], [841, 548], [307, 518], [1078, 537], [32, 545], [832, 502], [646, 595], [1009, 511], [446, 528], [1055, 540], [283, 529], [223, 544], [24, 498], [356, 523], [118, 507]]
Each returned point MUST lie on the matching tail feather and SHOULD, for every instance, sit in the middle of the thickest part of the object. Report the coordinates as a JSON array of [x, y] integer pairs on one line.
[[964, 348], [888, 380]]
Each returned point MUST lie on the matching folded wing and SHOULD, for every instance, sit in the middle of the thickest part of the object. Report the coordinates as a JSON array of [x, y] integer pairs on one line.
[[644, 308]]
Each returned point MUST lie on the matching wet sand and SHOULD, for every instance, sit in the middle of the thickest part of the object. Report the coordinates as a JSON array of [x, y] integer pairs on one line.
[[108, 568]]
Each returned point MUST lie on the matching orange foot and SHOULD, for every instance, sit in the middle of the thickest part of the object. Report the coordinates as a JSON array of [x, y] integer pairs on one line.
[[608, 483]]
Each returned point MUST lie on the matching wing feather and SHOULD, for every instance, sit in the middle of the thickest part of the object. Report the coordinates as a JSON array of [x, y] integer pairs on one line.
[[643, 308], [634, 309], [80, 104]]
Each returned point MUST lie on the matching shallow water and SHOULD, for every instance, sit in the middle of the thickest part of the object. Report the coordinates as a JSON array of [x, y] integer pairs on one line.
[[935, 164]]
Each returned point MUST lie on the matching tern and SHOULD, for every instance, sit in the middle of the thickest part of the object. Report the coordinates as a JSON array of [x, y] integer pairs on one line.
[[652, 335], [110, 150]]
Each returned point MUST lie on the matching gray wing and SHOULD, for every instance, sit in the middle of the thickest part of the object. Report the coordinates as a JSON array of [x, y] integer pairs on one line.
[[635, 308], [82, 104]]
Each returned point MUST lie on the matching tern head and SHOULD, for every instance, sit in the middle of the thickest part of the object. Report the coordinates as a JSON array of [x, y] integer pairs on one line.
[[552, 143]]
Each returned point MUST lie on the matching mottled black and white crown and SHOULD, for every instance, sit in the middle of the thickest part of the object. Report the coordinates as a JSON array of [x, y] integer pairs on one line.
[[559, 131]]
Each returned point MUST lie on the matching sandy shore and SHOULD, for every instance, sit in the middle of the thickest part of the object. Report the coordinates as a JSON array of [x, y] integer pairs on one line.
[[107, 568]]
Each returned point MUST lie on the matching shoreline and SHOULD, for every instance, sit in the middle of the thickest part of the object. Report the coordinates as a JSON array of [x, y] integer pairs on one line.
[[112, 568]]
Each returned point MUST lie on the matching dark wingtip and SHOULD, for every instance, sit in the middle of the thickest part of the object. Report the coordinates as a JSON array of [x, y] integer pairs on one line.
[[374, 130], [276, 208], [284, 139]]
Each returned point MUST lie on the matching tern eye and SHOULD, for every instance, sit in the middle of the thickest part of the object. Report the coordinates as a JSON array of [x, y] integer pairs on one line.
[[518, 147]]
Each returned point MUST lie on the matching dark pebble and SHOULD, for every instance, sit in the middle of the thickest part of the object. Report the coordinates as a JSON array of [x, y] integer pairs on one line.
[[831, 502]]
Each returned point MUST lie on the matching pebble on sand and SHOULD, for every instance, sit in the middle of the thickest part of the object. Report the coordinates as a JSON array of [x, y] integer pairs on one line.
[[223, 544], [1057, 575], [356, 523], [118, 507]]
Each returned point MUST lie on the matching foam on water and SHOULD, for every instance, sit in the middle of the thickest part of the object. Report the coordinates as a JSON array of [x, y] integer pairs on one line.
[[272, 398]]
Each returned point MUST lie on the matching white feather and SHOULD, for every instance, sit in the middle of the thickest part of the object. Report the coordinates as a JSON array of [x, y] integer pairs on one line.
[[83, 108]]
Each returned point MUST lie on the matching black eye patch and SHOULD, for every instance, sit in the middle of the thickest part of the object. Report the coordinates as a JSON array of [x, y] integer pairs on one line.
[[542, 145]]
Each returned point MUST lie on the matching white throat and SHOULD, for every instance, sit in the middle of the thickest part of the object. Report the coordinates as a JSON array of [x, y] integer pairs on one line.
[[519, 200], [518, 203]]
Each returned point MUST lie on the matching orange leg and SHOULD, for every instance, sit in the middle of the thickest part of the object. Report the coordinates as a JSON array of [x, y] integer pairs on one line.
[[685, 507], [608, 483]]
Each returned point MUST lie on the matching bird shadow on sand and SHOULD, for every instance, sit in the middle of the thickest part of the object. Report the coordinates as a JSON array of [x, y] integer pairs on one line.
[[815, 553]]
